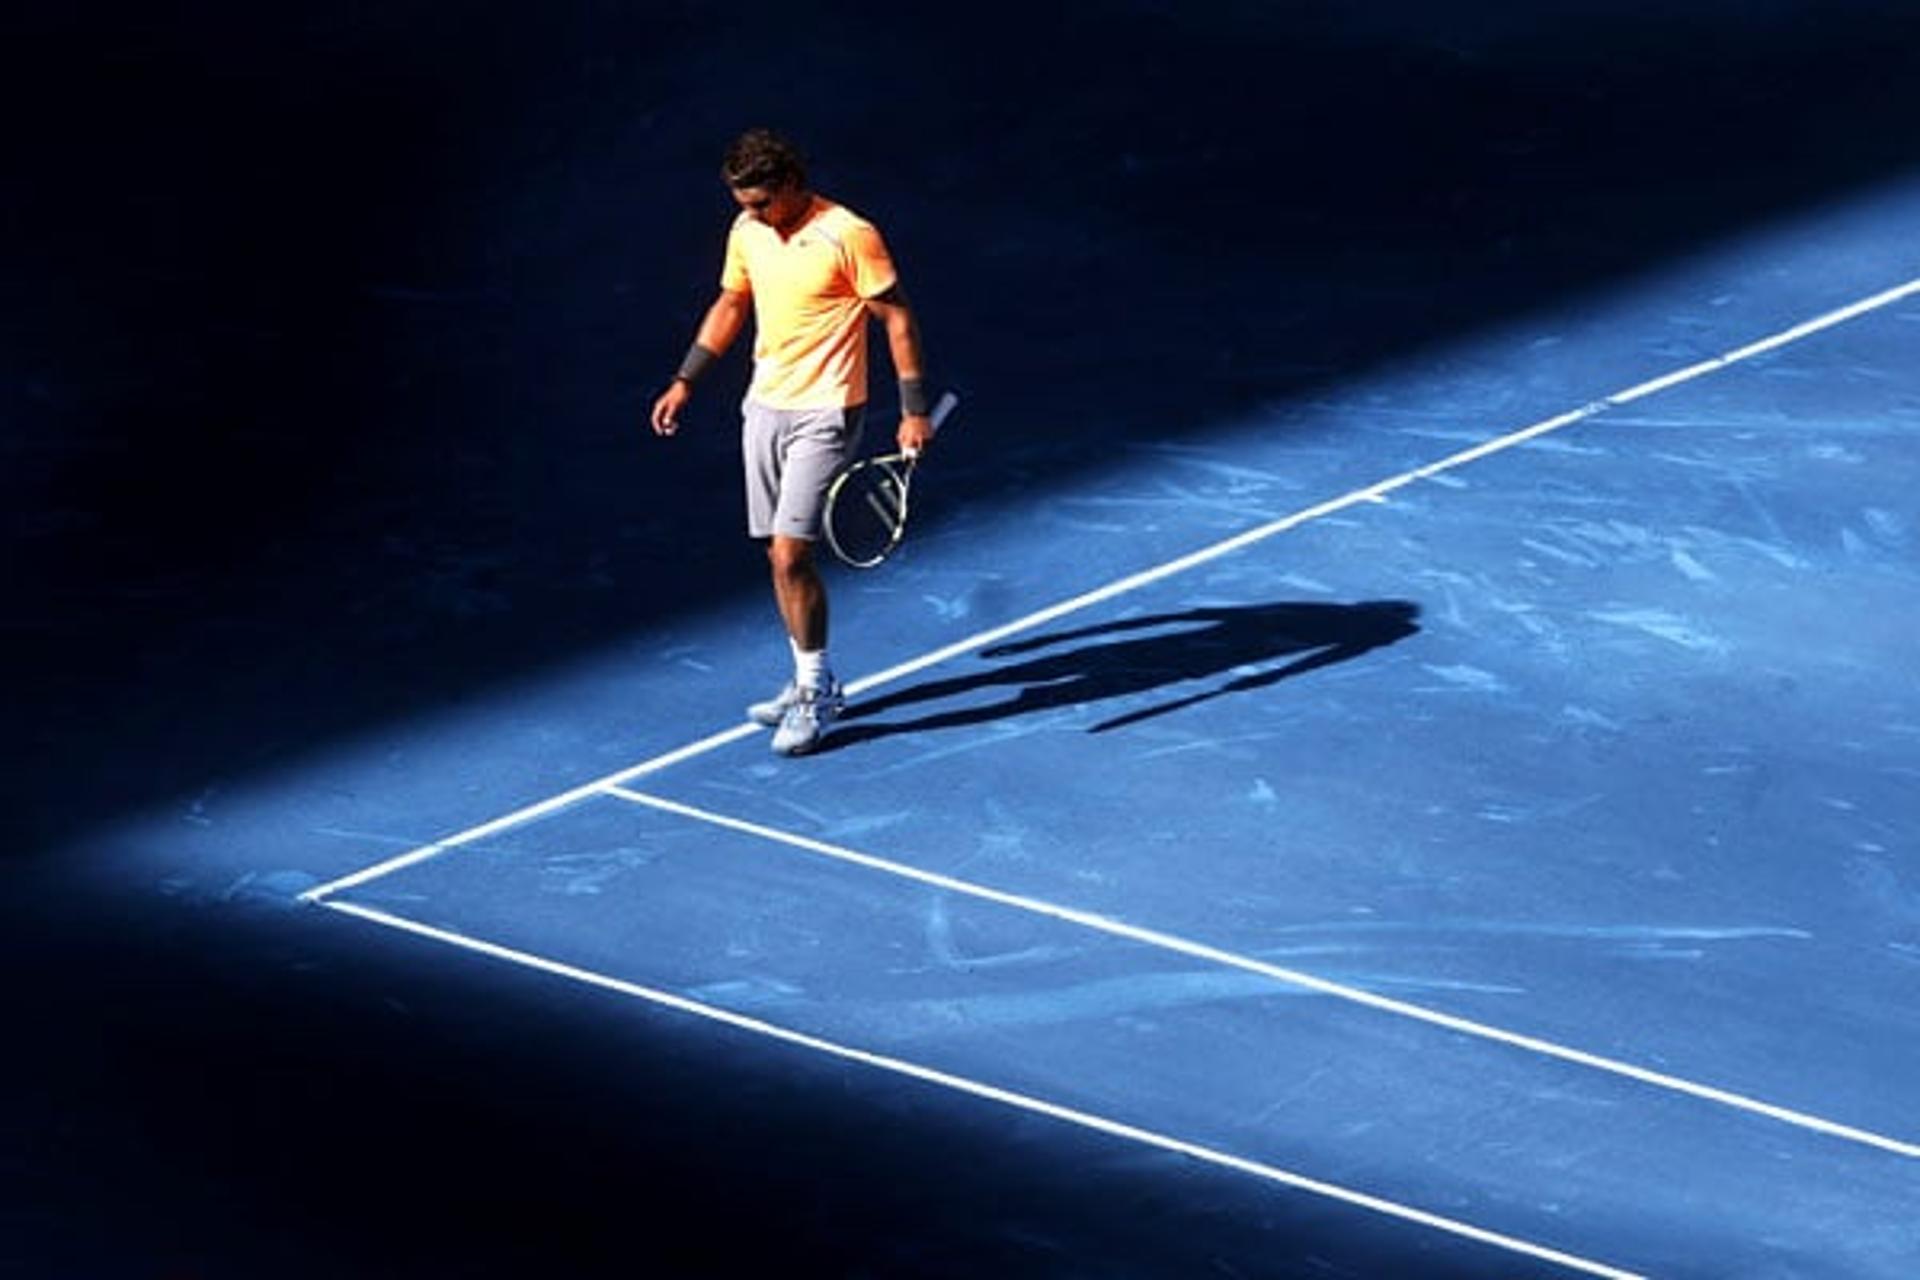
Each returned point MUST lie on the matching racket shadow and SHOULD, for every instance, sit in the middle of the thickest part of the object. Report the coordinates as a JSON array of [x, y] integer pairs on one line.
[[1279, 641]]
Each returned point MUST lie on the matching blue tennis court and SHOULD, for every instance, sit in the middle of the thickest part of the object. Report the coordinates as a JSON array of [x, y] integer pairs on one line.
[[1390, 748], [1507, 846]]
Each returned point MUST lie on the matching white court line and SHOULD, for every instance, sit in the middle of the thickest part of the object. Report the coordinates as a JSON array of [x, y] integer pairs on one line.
[[1295, 977], [994, 1093], [538, 808], [1376, 492]]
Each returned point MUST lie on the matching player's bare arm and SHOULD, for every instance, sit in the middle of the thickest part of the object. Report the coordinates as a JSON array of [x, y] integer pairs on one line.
[[895, 314], [721, 325]]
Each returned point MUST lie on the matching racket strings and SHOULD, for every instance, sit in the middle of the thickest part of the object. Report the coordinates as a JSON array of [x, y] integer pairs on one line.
[[885, 499], [867, 512]]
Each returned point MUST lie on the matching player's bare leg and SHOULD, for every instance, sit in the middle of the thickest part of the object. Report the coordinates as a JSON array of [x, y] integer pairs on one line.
[[797, 589], [814, 698]]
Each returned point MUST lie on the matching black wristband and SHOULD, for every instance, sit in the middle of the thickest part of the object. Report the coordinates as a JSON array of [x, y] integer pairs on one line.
[[698, 361], [913, 397]]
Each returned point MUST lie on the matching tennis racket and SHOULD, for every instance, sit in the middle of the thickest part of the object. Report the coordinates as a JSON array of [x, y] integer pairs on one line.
[[866, 512]]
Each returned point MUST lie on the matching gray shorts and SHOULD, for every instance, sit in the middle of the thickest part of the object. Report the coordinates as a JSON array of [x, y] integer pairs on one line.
[[791, 457]]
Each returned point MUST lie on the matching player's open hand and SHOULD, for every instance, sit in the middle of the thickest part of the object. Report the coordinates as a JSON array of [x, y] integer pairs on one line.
[[666, 410]]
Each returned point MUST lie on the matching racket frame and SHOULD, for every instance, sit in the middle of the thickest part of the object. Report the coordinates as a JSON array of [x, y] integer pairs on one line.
[[899, 472]]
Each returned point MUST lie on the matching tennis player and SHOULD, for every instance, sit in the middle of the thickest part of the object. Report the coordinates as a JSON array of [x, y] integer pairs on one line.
[[812, 273]]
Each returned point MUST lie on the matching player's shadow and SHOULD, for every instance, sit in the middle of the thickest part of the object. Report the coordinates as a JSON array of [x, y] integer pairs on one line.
[[1255, 645]]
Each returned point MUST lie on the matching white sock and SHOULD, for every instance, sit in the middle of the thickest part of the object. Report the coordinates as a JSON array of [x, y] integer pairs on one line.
[[810, 667]]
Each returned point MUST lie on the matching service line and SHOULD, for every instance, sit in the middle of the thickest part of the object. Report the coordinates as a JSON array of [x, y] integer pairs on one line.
[[1293, 977]]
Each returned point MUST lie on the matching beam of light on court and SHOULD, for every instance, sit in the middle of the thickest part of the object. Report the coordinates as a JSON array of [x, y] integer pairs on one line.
[[668, 746]]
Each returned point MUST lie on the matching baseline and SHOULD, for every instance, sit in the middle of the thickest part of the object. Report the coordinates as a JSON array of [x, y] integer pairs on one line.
[[993, 1093]]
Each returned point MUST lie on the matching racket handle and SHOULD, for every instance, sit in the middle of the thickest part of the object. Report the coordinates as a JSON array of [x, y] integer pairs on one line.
[[948, 402]]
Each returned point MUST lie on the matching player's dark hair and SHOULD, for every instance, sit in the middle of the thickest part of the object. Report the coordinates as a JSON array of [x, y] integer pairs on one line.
[[762, 158]]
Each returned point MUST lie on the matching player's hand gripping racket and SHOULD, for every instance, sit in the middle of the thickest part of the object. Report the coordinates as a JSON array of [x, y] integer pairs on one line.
[[867, 503]]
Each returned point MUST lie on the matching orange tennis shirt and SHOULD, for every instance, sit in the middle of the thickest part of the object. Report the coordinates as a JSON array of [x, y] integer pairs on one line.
[[809, 304]]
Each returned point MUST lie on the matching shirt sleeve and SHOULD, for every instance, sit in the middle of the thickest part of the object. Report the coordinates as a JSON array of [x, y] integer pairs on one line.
[[733, 272], [868, 263]]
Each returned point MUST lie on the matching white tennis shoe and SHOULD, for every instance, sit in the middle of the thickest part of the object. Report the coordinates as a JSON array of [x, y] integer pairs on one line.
[[771, 712], [774, 709], [805, 718]]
